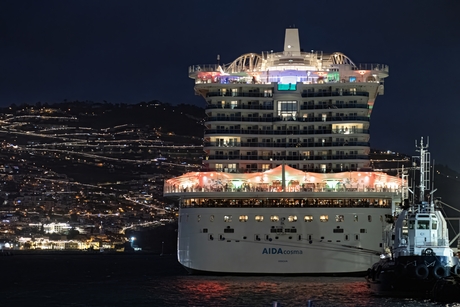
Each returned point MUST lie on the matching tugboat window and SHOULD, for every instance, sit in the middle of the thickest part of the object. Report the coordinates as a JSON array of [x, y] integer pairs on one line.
[[411, 224], [423, 224], [227, 218], [243, 218], [324, 218], [274, 218], [259, 218], [434, 224]]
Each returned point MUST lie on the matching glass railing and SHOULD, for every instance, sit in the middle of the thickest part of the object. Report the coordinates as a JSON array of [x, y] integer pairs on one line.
[[268, 188], [372, 71], [203, 67], [372, 66]]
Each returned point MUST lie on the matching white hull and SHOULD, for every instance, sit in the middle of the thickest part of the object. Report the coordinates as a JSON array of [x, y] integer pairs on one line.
[[314, 249]]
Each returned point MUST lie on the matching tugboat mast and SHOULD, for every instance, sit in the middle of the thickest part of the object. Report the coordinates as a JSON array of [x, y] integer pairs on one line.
[[424, 167]]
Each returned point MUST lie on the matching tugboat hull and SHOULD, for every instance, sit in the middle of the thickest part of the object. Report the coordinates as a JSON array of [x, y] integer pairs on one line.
[[411, 275]]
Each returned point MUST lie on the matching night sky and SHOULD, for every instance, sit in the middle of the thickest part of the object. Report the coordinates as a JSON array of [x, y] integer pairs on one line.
[[133, 51]]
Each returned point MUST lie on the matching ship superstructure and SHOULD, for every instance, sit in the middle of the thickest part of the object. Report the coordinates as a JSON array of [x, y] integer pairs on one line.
[[286, 186], [310, 109]]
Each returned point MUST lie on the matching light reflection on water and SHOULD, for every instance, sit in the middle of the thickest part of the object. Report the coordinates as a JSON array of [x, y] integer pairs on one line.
[[146, 280], [263, 291]]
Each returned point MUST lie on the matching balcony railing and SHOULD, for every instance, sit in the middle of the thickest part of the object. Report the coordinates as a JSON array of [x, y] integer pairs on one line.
[[238, 94], [333, 94], [297, 119], [334, 106], [172, 189], [284, 132], [287, 158], [194, 71], [286, 145], [241, 106]]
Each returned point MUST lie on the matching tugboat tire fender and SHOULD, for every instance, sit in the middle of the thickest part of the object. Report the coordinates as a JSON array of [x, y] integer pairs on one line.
[[439, 271], [455, 269], [421, 271]]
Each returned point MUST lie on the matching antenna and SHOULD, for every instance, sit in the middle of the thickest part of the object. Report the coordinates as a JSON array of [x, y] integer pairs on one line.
[[218, 59]]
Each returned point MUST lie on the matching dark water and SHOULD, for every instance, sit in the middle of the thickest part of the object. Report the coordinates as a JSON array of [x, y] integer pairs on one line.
[[151, 280]]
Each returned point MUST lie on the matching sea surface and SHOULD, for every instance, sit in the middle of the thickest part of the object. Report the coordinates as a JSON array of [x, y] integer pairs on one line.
[[152, 280]]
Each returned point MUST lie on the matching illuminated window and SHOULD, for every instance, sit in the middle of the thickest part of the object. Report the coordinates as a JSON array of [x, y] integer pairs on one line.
[[259, 218], [243, 218], [308, 218], [292, 218], [355, 218], [227, 218], [339, 218], [324, 218], [287, 109], [274, 218]]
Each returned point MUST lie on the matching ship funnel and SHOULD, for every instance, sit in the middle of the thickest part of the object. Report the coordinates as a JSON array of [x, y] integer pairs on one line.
[[292, 42]]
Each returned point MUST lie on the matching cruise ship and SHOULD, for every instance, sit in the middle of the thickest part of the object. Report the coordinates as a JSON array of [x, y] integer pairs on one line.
[[286, 185]]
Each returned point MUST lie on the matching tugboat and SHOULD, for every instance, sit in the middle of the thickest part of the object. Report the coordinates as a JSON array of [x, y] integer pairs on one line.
[[419, 262]]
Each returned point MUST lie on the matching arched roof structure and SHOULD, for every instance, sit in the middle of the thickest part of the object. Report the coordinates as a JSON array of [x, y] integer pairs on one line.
[[248, 62]]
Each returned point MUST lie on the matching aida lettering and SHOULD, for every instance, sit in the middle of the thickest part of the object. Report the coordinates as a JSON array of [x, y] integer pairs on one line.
[[280, 251]]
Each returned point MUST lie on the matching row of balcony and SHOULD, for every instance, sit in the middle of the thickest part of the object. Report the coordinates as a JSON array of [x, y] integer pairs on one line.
[[269, 106], [334, 93], [288, 158], [292, 119], [258, 170], [284, 132], [238, 94], [284, 144], [335, 106], [303, 94]]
